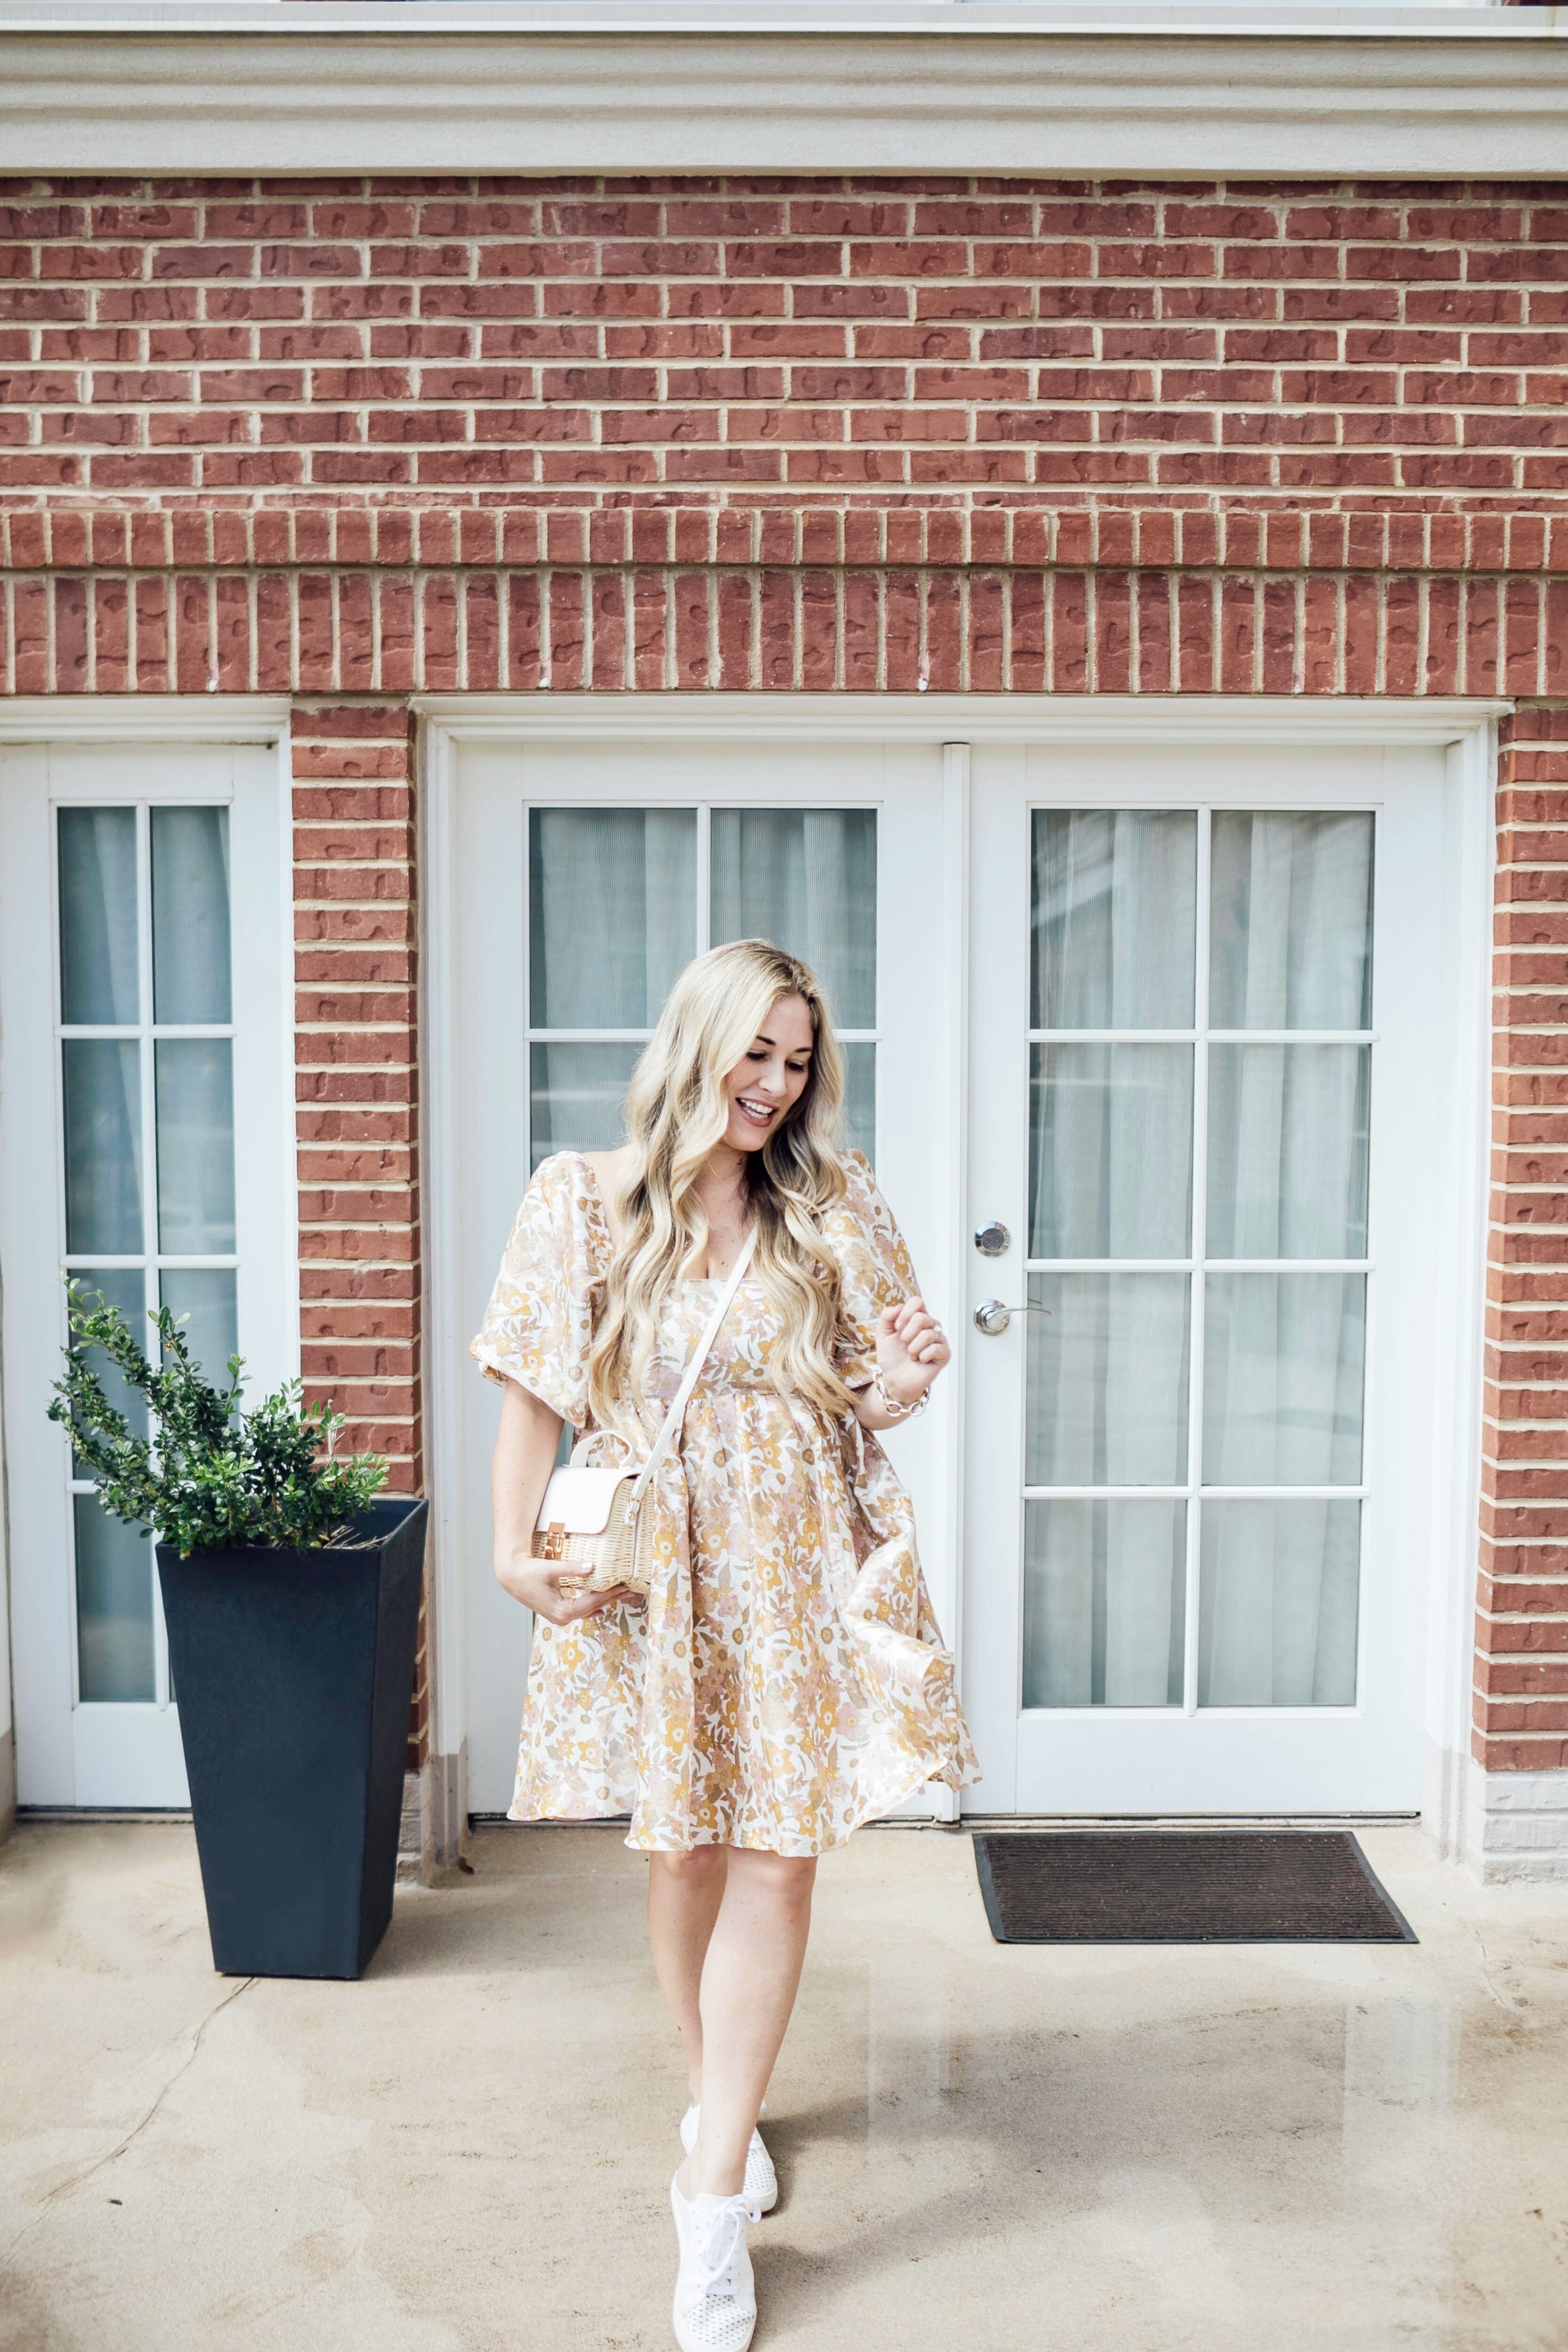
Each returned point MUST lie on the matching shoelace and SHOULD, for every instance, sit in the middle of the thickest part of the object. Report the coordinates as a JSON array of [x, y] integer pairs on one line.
[[717, 2241]]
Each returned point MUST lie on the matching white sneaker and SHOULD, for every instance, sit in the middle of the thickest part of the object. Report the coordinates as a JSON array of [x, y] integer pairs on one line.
[[715, 2306], [762, 2183]]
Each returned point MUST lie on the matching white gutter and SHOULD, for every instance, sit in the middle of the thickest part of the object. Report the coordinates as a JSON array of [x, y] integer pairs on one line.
[[1367, 19], [973, 87]]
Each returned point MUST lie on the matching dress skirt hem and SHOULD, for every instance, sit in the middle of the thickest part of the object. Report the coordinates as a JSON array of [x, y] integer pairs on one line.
[[797, 1849]]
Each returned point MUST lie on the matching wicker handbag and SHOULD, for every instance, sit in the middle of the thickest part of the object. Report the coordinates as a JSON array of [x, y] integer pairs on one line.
[[592, 1516]]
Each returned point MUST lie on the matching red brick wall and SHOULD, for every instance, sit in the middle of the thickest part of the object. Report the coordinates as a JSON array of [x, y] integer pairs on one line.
[[357, 1086], [351, 339], [1522, 1628], [352, 438]]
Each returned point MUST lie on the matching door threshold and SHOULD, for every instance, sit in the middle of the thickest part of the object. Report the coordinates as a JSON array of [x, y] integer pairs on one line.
[[103, 1812], [1193, 1823]]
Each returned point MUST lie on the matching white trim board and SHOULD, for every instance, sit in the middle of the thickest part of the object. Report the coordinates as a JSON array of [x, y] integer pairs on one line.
[[143, 719], [961, 717], [1320, 93], [1283, 19]]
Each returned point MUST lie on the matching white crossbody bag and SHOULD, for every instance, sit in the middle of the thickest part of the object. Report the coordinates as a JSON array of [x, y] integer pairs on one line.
[[591, 1517]]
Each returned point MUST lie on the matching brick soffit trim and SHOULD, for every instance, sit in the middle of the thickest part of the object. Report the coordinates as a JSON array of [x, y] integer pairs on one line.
[[1088, 630]]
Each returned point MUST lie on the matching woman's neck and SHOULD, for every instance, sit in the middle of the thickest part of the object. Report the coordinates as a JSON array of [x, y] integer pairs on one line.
[[722, 1187]]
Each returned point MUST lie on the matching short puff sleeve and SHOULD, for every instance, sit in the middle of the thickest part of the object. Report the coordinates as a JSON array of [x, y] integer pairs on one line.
[[875, 1269], [539, 1322]]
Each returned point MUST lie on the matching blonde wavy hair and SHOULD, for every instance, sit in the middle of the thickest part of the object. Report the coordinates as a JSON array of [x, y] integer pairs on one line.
[[677, 1110]]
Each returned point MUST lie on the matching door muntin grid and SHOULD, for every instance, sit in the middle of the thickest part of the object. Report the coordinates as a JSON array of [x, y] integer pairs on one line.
[[619, 900], [145, 1153], [1200, 1071]]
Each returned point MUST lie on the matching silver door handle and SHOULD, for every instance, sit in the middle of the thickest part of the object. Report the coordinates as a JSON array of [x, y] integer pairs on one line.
[[992, 1317]]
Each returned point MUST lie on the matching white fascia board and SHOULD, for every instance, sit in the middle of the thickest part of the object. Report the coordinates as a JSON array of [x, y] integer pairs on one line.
[[1115, 719], [1369, 18], [972, 89]]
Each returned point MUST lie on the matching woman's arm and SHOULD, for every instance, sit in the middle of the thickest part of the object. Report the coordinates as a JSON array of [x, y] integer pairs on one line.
[[912, 1348], [524, 1457]]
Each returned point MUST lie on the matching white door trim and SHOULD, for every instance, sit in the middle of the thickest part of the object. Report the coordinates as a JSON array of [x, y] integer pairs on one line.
[[954, 721], [1459, 1371]]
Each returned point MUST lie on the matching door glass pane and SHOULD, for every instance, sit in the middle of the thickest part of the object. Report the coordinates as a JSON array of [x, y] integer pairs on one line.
[[611, 914], [194, 1086], [1276, 1617], [113, 1605], [98, 917], [1103, 1603], [190, 914], [1290, 920], [860, 1098], [122, 1286], [1107, 1381], [805, 879], [1287, 1151], [102, 1104], [576, 1095], [1283, 1358], [1112, 939], [1111, 1151], [204, 1295]]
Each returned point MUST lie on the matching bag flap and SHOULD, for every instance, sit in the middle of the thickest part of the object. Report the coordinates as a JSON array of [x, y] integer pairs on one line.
[[581, 1501]]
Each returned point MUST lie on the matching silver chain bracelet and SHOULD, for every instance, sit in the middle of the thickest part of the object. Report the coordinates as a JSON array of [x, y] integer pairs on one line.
[[891, 1406]]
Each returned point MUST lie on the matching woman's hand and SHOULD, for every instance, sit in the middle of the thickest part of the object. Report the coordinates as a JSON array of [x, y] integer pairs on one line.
[[912, 1348], [525, 1454], [537, 1584]]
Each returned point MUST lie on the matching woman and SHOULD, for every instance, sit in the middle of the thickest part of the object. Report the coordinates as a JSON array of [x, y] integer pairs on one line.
[[784, 1681]]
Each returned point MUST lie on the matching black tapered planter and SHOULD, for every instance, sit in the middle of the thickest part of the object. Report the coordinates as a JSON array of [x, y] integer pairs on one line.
[[293, 1673]]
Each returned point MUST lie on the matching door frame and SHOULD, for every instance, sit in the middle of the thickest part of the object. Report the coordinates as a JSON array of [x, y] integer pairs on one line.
[[1464, 727], [101, 722]]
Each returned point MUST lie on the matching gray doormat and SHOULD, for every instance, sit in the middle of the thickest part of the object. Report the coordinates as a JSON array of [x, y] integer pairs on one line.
[[1182, 1886]]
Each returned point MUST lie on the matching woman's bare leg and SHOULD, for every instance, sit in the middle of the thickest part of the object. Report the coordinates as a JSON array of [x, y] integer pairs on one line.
[[752, 1967], [684, 1892]]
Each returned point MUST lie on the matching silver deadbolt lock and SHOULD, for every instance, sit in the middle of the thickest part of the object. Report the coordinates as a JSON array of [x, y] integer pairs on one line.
[[993, 1240]]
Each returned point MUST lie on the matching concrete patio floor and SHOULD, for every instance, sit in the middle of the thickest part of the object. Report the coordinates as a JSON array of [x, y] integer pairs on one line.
[[1351, 2147]]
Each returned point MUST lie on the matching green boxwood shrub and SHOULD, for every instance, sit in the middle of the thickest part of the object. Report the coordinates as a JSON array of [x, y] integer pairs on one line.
[[209, 1478]]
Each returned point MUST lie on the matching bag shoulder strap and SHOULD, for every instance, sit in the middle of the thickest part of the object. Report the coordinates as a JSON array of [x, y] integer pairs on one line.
[[689, 1378]]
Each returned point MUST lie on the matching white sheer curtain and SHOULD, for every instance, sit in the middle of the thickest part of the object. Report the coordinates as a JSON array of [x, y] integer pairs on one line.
[[1111, 1149], [191, 962], [1111, 1154], [98, 959], [103, 914], [1291, 949], [1103, 1603], [1112, 932], [807, 879], [612, 919]]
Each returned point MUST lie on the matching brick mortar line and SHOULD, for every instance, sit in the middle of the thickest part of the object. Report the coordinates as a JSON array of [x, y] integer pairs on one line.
[[417, 576]]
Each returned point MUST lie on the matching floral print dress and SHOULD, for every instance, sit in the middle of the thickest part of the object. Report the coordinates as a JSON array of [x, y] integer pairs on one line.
[[786, 1680]]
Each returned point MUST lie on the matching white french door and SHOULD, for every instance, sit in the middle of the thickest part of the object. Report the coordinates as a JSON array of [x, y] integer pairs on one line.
[[1212, 1092], [574, 878], [145, 1153]]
